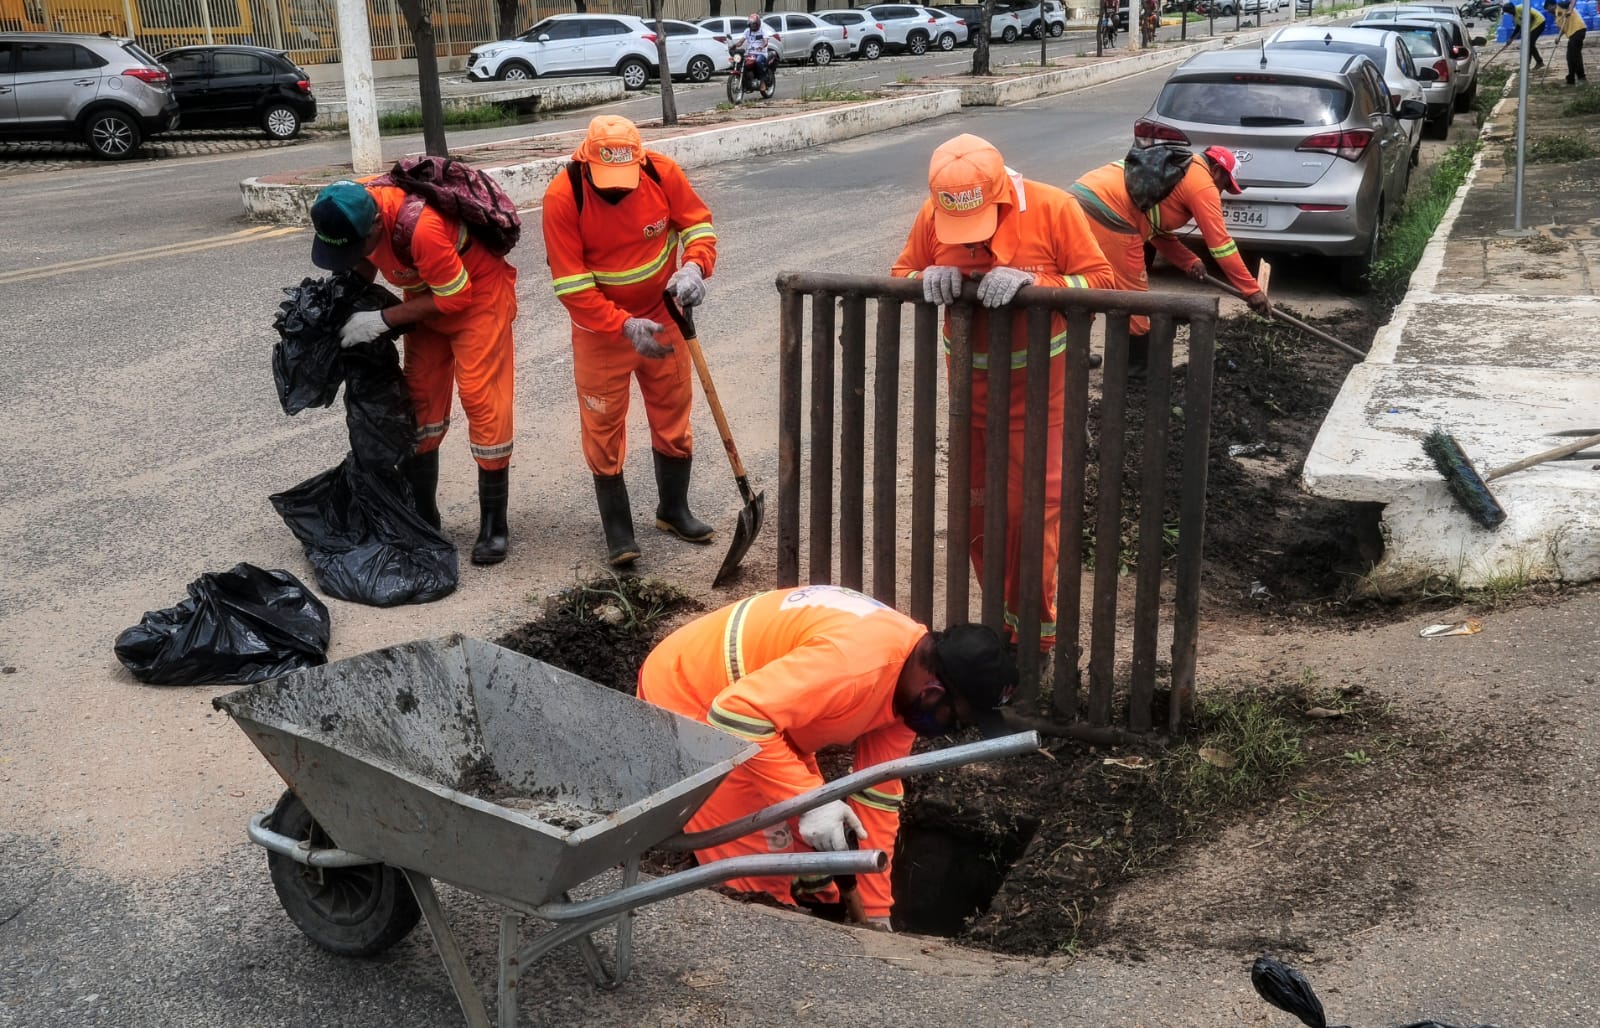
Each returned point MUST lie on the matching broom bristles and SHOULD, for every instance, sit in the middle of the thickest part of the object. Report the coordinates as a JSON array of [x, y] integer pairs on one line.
[[1466, 485]]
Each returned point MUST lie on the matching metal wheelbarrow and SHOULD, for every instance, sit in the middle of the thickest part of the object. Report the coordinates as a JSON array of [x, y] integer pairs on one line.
[[461, 761]]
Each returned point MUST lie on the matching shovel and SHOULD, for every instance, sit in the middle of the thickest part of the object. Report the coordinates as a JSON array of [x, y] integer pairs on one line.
[[1289, 319], [755, 504]]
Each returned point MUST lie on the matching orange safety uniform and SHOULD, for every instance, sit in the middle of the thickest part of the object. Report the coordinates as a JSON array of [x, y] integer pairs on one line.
[[794, 670], [611, 262], [1122, 229], [468, 342], [1041, 230]]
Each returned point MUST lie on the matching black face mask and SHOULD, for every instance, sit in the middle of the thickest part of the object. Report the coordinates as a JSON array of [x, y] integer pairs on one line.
[[612, 196], [929, 722]]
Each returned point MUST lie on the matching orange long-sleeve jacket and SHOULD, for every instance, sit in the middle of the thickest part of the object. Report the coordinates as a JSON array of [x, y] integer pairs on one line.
[[796, 670], [610, 262], [1042, 230], [445, 260]]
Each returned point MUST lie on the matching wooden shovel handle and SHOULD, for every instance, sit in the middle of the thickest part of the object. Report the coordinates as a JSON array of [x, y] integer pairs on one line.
[[1289, 319], [684, 319], [1565, 449]]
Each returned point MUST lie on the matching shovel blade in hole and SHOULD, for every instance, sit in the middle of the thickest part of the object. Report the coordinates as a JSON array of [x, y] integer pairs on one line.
[[744, 534]]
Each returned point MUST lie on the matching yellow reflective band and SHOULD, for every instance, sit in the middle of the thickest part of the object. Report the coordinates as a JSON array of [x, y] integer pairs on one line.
[[573, 283], [1019, 358], [1228, 249], [452, 287], [490, 452], [1077, 282], [733, 641], [752, 728], [1047, 629], [805, 885], [1155, 216], [878, 800], [701, 231], [644, 272]]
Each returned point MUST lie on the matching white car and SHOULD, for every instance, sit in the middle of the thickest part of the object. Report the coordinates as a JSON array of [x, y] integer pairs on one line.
[[800, 37], [950, 31], [905, 27], [571, 44], [693, 53], [1385, 49], [862, 32]]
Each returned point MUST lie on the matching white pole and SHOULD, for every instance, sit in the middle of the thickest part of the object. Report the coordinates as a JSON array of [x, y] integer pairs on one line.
[[1522, 112], [355, 46]]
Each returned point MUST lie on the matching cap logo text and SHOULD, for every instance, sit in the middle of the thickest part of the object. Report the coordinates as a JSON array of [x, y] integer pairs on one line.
[[616, 155], [961, 201]]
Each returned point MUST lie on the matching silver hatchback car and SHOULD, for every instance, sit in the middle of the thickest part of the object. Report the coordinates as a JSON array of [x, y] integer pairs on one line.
[[1323, 157], [102, 90]]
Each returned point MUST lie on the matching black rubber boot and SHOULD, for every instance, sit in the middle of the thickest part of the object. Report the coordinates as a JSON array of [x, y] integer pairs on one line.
[[1138, 354], [616, 517], [672, 510], [494, 489], [421, 471]]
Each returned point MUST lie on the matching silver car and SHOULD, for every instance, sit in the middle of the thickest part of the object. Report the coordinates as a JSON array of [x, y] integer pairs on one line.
[[801, 37], [1429, 43], [1322, 154], [102, 90], [1463, 45], [1385, 49]]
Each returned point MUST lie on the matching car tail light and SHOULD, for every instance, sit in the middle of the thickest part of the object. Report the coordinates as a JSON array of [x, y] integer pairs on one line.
[[151, 76], [933, 21], [1349, 145], [304, 85], [1394, 101], [1149, 133], [880, 26], [1322, 208], [1458, 52], [649, 37], [961, 21], [1442, 66]]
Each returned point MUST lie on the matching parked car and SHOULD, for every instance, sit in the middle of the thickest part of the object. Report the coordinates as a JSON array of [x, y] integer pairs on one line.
[[862, 33], [905, 28], [240, 86], [102, 90], [1322, 155], [571, 44], [1429, 45], [801, 37], [693, 53], [1385, 49], [1463, 45], [1037, 19], [1260, 6], [951, 30]]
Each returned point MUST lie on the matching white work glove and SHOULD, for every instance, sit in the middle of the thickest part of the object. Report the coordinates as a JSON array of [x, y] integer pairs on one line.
[[941, 284], [688, 285], [823, 829], [363, 327], [641, 332], [998, 287]]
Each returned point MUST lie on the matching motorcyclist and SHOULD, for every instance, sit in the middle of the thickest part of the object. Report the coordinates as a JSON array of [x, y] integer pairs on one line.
[[757, 41]]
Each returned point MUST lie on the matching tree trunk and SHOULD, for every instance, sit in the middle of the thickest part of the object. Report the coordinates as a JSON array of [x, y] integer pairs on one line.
[[980, 48], [716, 8], [508, 18], [669, 106], [421, 26]]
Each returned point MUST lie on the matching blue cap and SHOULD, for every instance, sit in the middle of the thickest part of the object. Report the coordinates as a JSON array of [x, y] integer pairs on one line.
[[342, 218]]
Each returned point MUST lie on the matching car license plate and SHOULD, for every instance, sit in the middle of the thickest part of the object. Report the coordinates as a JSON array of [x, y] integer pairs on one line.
[[1249, 216]]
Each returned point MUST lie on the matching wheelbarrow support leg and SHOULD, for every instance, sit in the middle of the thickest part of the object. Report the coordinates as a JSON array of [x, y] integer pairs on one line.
[[510, 967], [455, 964]]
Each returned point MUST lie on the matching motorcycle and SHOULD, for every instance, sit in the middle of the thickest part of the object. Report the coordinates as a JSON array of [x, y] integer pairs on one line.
[[744, 78], [1480, 9]]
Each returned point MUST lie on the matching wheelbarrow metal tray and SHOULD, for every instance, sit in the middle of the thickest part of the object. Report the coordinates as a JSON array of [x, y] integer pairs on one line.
[[380, 746]]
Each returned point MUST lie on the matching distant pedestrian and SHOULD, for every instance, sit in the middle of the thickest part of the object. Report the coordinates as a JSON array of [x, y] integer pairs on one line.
[[1535, 29], [1570, 24]]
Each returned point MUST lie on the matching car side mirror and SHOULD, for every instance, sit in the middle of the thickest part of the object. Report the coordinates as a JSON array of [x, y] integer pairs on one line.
[[544, 37], [1480, 41], [1411, 110], [1427, 75]]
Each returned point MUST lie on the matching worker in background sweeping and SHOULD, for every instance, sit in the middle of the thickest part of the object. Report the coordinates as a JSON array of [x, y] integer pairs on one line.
[[460, 303], [1570, 24], [796, 670], [1535, 29], [984, 221], [613, 226], [1121, 228]]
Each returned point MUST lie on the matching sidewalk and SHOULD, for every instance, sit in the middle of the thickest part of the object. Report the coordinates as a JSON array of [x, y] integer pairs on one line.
[[401, 93], [1495, 343]]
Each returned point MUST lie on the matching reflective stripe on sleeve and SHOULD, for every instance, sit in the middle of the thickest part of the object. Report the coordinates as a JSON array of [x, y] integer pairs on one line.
[[752, 728], [573, 283], [702, 230], [452, 287], [1227, 249], [878, 799]]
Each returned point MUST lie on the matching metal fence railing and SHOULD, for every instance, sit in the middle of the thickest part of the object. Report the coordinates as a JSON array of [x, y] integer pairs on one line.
[[828, 469]]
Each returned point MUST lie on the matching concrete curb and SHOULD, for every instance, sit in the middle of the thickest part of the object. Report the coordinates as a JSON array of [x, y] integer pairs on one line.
[[525, 183], [543, 96]]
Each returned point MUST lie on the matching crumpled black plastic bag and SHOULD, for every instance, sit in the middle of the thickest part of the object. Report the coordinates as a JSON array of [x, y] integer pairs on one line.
[[242, 626], [1287, 989], [364, 538], [377, 406], [306, 361], [1151, 172]]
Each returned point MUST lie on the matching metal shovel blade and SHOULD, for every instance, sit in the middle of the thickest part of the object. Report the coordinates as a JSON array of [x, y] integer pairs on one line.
[[744, 534]]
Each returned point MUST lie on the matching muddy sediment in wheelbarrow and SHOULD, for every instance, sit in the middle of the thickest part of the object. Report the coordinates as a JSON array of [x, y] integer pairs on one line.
[[480, 778]]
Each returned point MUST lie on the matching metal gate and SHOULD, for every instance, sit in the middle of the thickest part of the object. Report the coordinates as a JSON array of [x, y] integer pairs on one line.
[[839, 358]]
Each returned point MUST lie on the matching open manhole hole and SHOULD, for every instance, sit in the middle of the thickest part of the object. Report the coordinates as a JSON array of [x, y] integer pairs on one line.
[[947, 869]]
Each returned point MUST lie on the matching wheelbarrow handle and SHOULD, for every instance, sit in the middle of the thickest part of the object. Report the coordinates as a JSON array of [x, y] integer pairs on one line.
[[938, 760]]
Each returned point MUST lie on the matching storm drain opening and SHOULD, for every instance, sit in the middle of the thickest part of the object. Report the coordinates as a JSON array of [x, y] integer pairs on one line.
[[948, 867]]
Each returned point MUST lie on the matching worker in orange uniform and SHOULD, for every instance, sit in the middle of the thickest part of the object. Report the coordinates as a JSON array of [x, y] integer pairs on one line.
[[613, 226], [982, 220], [796, 670], [460, 303], [1121, 229]]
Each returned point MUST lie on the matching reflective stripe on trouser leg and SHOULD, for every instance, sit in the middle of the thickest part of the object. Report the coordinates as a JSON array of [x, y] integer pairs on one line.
[[429, 371], [668, 391], [1125, 251]]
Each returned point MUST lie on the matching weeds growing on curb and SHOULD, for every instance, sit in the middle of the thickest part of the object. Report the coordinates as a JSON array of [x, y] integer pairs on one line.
[[1246, 744], [1491, 81], [1586, 102], [1555, 149], [1408, 234], [830, 92], [484, 116]]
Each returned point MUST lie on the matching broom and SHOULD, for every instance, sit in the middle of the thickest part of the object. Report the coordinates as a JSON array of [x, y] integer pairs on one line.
[[1470, 489]]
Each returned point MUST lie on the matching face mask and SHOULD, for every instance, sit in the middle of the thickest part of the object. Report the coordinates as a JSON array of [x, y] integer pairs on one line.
[[928, 721], [613, 195]]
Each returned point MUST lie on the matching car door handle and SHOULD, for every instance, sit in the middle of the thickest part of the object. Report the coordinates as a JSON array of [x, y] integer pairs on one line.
[[4, 90], [85, 82]]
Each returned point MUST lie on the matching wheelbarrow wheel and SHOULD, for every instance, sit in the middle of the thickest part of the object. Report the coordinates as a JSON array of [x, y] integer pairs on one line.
[[352, 911]]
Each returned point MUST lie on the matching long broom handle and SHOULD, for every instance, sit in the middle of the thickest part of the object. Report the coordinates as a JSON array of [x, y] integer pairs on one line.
[[1289, 319], [1564, 450], [685, 322]]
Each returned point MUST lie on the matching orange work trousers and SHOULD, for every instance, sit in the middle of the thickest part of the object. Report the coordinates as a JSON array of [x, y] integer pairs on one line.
[[602, 366], [1125, 251], [1052, 493], [472, 350]]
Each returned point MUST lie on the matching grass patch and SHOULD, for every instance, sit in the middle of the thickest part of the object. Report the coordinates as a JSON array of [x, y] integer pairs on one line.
[[1586, 102], [1556, 149], [1491, 81], [1244, 746], [830, 92], [1408, 234], [486, 116]]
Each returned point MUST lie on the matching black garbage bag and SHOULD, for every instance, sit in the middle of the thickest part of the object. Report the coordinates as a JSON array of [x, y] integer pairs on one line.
[[245, 625], [1287, 989], [377, 407], [364, 539], [1151, 172], [306, 362]]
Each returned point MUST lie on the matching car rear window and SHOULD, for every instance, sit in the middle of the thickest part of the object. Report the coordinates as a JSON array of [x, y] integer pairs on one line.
[[138, 53], [1420, 42], [1376, 54], [1253, 101], [843, 18]]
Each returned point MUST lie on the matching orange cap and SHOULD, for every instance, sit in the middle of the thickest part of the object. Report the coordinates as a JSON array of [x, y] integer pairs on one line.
[[967, 178], [613, 150]]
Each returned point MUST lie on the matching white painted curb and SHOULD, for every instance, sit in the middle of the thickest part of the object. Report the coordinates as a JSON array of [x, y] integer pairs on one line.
[[543, 96]]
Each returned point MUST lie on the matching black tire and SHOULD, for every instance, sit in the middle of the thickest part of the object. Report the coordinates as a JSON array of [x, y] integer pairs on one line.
[[947, 41], [700, 69], [515, 71], [736, 89], [1437, 128], [280, 121], [872, 49], [635, 73], [917, 43], [1465, 100], [1354, 271], [1008, 34], [821, 54], [767, 86], [1056, 29], [112, 134], [352, 911]]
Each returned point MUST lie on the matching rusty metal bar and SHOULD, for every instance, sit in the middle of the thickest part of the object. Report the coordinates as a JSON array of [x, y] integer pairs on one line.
[[885, 451], [791, 327], [1191, 516], [820, 569], [996, 468], [958, 501], [1030, 548], [1069, 583], [1152, 524], [1181, 306], [1108, 521], [924, 431], [852, 442]]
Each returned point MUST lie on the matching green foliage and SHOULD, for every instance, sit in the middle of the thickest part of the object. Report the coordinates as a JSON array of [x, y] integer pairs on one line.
[[1555, 149], [635, 603], [1587, 101], [1252, 733], [1408, 233], [485, 116], [830, 92], [1491, 81]]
